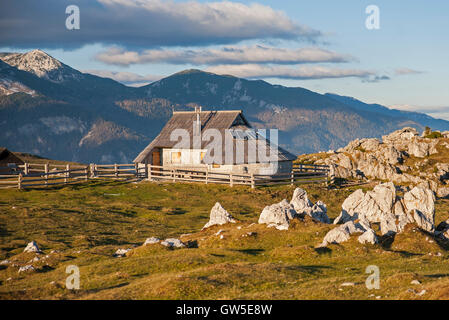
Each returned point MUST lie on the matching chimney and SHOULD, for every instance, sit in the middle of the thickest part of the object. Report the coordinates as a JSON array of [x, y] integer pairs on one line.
[[197, 129]]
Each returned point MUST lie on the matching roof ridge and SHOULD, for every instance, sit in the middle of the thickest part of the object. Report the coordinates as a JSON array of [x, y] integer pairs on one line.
[[207, 111]]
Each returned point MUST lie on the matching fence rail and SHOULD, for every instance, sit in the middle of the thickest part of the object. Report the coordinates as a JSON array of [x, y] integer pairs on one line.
[[44, 175]]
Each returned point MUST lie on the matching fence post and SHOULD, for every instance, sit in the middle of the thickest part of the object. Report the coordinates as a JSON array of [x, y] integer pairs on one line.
[[146, 170], [136, 167], [116, 170], [26, 168], [67, 174], [300, 167], [92, 170], [19, 181], [86, 173], [207, 175], [252, 181], [173, 175], [149, 172], [292, 177], [231, 183], [46, 174]]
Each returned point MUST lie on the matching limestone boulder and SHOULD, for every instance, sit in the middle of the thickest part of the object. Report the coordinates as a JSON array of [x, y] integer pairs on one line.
[[32, 247], [219, 216], [420, 202], [369, 236], [341, 233], [151, 240], [121, 252], [300, 201], [278, 215], [303, 206], [173, 243]]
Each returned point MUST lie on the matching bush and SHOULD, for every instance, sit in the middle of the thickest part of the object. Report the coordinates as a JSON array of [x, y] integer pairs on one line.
[[434, 135]]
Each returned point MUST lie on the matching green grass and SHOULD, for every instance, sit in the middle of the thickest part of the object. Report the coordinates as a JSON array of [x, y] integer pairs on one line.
[[87, 223]]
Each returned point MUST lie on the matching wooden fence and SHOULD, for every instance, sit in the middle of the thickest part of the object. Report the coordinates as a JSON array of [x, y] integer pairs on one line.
[[45, 175]]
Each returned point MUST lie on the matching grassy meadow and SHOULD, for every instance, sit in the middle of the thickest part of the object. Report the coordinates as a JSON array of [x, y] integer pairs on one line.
[[85, 224]]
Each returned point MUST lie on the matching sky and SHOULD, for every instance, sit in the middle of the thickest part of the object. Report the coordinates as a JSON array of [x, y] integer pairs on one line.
[[321, 45]]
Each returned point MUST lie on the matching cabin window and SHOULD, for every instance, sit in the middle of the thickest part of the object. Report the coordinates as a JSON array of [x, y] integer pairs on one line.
[[176, 157]]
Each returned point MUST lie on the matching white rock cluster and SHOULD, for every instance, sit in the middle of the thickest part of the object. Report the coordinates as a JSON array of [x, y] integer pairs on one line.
[[382, 205], [280, 214], [384, 160]]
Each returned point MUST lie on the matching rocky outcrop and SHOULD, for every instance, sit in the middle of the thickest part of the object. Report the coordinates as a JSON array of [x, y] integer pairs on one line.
[[384, 160], [374, 206], [303, 206], [393, 213], [278, 215], [219, 216]]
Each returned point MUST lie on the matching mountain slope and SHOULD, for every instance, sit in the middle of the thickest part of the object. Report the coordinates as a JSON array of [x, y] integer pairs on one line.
[[421, 118], [53, 110]]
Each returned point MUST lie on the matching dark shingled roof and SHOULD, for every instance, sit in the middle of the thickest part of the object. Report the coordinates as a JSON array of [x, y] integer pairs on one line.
[[7, 156], [219, 120]]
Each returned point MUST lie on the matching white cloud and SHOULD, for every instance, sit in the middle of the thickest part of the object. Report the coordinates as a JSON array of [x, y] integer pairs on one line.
[[128, 78], [223, 55], [300, 73], [405, 71], [145, 23]]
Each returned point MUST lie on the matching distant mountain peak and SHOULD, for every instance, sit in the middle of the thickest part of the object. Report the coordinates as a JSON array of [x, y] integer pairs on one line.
[[42, 65]]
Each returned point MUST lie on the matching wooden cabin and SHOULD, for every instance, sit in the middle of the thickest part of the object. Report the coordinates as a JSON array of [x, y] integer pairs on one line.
[[239, 140], [9, 161]]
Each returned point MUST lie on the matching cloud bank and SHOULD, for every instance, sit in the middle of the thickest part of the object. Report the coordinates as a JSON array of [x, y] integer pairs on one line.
[[143, 23], [253, 71], [225, 55], [128, 78]]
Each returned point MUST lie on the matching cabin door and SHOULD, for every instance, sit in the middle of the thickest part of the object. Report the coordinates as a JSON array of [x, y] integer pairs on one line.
[[156, 158], [157, 161]]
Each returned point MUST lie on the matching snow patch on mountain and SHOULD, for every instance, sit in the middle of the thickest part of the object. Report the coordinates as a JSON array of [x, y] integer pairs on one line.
[[42, 65]]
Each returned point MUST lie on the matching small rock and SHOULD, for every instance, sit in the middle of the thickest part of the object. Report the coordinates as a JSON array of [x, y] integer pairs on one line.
[[27, 268], [151, 240], [415, 282], [219, 232], [32, 247], [173, 243], [249, 234], [347, 284], [222, 237], [423, 292], [121, 252], [5, 262]]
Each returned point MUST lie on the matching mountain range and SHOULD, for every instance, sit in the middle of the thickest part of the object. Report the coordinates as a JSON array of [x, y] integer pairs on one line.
[[52, 110]]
